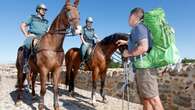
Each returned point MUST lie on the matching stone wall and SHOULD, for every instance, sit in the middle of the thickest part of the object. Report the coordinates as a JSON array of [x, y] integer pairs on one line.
[[177, 89]]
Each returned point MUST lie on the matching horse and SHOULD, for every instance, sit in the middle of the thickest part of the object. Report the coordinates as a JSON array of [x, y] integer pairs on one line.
[[97, 63], [49, 54]]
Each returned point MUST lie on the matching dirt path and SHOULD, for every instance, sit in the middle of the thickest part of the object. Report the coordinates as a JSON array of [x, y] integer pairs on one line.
[[81, 101]]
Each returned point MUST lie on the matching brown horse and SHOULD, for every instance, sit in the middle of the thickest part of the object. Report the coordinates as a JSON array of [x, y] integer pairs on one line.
[[98, 62], [49, 54]]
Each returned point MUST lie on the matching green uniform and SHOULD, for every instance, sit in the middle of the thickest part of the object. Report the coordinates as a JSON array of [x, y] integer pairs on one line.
[[89, 37], [37, 26]]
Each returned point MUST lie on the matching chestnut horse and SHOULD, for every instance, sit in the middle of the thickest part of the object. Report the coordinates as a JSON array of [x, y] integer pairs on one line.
[[49, 54], [98, 62]]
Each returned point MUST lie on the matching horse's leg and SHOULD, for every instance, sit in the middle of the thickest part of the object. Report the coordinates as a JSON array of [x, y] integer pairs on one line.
[[67, 77], [48, 79], [71, 82], [20, 86], [43, 78], [29, 79], [94, 86], [72, 78], [102, 93], [51, 77], [56, 76], [34, 75], [68, 73]]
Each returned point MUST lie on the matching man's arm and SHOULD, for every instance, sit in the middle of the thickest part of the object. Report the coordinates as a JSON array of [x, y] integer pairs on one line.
[[96, 37], [82, 39], [141, 48], [23, 28]]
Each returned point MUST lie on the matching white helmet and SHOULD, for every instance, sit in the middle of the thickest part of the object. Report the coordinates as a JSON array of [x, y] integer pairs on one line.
[[43, 6], [89, 19]]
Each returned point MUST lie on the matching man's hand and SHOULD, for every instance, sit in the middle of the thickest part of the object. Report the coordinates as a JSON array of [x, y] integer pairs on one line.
[[29, 35], [85, 43], [126, 54], [98, 40], [121, 42], [35, 41]]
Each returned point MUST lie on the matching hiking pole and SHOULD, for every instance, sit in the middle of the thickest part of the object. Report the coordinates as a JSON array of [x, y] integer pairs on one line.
[[125, 86], [129, 77]]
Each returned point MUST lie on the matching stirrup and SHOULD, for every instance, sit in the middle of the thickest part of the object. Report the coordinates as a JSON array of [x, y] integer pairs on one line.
[[82, 65]]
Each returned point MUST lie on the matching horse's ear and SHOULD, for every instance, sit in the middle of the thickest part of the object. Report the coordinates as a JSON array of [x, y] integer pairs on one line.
[[68, 3], [76, 3]]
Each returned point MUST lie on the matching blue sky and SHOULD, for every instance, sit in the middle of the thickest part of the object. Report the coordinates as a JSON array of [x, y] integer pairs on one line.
[[110, 16]]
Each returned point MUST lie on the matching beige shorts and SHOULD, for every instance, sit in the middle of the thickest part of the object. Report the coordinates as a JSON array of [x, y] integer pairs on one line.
[[147, 84]]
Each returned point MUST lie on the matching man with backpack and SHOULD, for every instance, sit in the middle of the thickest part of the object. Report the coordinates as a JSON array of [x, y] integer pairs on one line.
[[139, 44]]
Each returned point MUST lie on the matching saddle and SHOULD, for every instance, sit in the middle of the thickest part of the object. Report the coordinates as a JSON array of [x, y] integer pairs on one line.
[[34, 45]]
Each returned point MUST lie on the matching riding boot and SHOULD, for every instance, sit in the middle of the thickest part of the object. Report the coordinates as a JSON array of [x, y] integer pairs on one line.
[[26, 57]]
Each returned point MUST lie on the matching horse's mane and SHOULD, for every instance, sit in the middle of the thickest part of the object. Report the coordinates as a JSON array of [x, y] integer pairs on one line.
[[114, 37]]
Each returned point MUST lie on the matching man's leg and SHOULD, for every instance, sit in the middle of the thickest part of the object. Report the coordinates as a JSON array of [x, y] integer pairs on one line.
[[156, 103], [26, 57], [147, 105], [148, 89], [27, 44], [83, 53]]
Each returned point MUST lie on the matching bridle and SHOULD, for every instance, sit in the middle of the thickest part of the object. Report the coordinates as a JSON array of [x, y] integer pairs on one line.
[[63, 31], [70, 27]]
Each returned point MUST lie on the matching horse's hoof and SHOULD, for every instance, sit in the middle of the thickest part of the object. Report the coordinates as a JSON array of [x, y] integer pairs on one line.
[[18, 103], [41, 106], [33, 97], [105, 101], [57, 108], [71, 94], [95, 104]]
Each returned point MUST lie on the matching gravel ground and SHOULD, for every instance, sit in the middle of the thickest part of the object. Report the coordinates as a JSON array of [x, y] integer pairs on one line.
[[80, 101]]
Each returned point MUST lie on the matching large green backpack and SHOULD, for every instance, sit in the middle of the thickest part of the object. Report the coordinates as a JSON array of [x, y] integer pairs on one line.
[[164, 51]]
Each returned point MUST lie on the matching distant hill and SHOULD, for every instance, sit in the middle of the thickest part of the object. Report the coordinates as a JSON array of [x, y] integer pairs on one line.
[[186, 60]]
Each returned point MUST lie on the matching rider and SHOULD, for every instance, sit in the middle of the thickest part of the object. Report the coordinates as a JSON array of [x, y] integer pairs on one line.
[[88, 38], [34, 27]]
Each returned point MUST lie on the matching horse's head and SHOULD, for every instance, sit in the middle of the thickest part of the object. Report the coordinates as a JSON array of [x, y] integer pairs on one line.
[[110, 42], [121, 48], [73, 16]]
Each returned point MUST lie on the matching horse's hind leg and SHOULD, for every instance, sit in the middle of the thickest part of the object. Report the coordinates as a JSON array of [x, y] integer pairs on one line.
[[56, 76], [34, 75], [102, 92], [71, 85], [21, 78]]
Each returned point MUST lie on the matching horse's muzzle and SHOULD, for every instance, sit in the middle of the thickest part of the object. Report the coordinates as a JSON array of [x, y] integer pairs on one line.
[[78, 30]]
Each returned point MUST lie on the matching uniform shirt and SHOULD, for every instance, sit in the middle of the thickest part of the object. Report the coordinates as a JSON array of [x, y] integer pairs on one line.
[[89, 35], [37, 25], [138, 33]]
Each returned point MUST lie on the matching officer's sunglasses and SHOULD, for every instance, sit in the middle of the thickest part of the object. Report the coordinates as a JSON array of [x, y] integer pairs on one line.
[[43, 9]]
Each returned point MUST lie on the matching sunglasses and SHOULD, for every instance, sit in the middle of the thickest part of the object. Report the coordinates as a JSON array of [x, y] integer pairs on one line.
[[43, 9]]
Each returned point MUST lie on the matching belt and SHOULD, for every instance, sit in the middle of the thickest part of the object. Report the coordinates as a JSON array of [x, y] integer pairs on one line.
[[38, 35], [138, 57]]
